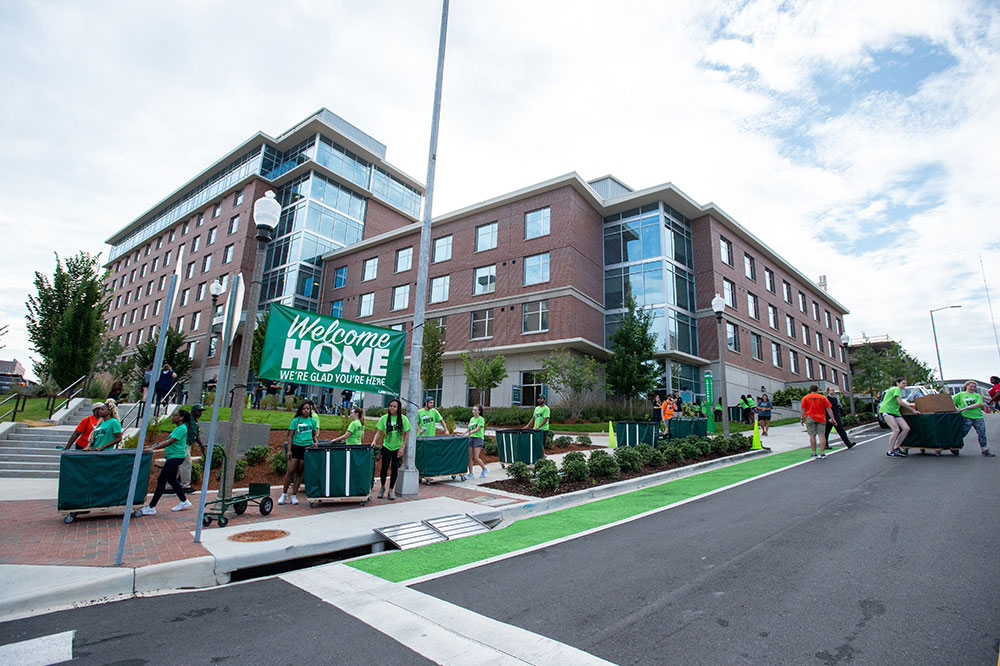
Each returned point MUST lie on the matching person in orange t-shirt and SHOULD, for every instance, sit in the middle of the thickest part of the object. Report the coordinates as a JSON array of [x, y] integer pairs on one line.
[[81, 435], [667, 408], [816, 409]]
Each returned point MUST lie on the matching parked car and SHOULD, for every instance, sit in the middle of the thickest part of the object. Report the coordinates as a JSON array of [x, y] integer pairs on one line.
[[12, 383]]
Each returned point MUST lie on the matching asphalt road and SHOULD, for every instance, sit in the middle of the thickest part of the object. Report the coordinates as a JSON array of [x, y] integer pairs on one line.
[[856, 559]]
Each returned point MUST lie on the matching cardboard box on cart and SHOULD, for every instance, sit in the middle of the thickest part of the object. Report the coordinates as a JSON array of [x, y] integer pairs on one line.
[[935, 404]]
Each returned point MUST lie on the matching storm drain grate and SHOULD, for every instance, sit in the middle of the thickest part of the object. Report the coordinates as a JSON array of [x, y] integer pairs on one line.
[[435, 530], [457, 526]]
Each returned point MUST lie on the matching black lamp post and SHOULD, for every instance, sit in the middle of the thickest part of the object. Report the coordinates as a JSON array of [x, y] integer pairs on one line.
[[718, 307]]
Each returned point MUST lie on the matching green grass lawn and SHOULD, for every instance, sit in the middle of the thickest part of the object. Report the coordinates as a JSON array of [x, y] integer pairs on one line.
[[35, 410], [279, 420]]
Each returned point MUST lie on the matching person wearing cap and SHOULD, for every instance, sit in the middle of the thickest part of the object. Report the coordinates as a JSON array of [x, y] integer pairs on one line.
[[193, 437], [108, 433], [81, 435]]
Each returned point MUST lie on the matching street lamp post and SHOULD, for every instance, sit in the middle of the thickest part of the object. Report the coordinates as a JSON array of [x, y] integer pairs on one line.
[[845, 340], [934, 331], [266, 212], [718, 307]]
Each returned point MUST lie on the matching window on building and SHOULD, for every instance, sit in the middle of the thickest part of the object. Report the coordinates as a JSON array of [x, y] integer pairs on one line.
[[726, 251], [189, 273], [827, 318], [843, 355], [216, 210], [206, 263], [128, 339], [184, 230], [191, 349], [822, 371], [149, 288], [729, 293], [809, 368], [213, 345], [829, 348], [210, 237], [793, 361], [769, 280], [749, 267], [404, 259], [227, 253], [163, 281], [772, 317], [776, 354], [833, 375], [732, 337], [118, 301], [195, 321], [815, 310], [840, 327], [536, 269], [401, 297], [184, 296], [486, 237], [756, 347], [166, 259], [201, 291], [819, 343], [802, 303], [535, 317], [131, 276], [753, 309], [442, 249], [442, 323], [366, 305], [180, 324], [142, 271], [482, 324], [786, 289], [156, 307], [195, 244], [201, 220], [173, 235], [337, 308], [369, 269], [536, 223], [238, 197], [234, 224], [439, 288], [806, 340], [159, 244], [484, 280], [152, 269], [145, 311], [340, 277], [532, 386]]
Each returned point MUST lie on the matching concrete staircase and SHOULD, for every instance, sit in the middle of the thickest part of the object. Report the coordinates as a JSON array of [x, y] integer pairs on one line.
[[27, 452]]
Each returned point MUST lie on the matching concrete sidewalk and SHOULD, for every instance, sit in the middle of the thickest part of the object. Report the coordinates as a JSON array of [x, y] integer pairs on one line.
[[41, 557]]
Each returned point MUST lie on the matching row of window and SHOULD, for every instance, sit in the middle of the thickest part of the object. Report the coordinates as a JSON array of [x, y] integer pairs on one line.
[[534, 317], [750, 271], [757, 353], [189, 273]]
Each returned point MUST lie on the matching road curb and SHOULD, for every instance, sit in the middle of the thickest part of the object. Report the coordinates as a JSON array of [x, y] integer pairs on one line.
[[111, 584]]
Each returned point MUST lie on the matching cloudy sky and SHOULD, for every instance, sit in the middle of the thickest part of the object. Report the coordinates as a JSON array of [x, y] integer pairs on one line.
[[859, 139]]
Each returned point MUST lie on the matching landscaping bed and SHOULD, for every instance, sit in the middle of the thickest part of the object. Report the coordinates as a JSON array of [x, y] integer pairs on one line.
[[578, 472]]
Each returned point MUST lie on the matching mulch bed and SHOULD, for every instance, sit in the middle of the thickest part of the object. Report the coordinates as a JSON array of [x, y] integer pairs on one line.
[[525, 488]]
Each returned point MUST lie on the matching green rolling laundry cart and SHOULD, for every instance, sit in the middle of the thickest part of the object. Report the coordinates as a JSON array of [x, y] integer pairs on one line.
[[339, 473], [97, 482], [442, 456], [633, 433], [941, 431], [520, 445]]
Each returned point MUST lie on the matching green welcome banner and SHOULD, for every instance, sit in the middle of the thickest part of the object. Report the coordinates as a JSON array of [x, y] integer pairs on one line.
[[309, 348]]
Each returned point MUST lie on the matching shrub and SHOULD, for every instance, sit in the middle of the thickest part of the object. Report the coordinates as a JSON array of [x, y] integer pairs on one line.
[[456, 413], [720, 445], [270, 402], [739, 442], [602, 465], [217, 455], [490, 445], [585, 440], [563, 441], [241, 469], [644, 451], [508, 416], [375, 412], [704, 446], [850, 420], [689, 450], [519, 471], [209, 398], [673, 454], [278, 462], [784, 397], [546, 475], [628, 459], [575, 455], [575, 470], [257, 454], [196, 470], [548, 443], [560, 414], [656, 458]]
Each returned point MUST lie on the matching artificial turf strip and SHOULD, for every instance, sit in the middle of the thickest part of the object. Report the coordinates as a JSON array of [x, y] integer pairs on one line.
[[405, 564]]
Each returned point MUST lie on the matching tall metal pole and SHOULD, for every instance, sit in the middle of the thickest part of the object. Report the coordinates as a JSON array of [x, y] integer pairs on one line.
[[161, 346], [243, 369], [220, 392], [936, 350], [850, 382], [411, 477], [989, 302], [722, 376]]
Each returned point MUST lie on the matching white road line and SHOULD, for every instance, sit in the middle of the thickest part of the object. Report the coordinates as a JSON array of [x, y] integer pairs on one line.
[[42, 651], [439, 630]]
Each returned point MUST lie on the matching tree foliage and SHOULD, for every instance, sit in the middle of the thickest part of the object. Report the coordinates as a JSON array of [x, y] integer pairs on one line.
[[484, 373], [874, 369], [630, 372], [258, 343], [572, 376], [64, 318], [431, 368], [175, 354]]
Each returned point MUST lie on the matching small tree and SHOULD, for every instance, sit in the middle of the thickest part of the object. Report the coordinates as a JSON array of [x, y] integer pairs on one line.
[[175, 353], [431, 369], [630, 371], [484, 373], [867, 374], [571, 376], [258, 343]]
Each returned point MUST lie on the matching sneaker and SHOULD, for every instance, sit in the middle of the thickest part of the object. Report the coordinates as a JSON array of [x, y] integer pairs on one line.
[[891, 454], [190, 489], [986, 452], [813, 455], [181, 506], [295, 500], [149, 511], [283, 498], [901, 453], [483, 475], [850, 444], [822, 456], [392, 495], [381, 493], [469, 475]]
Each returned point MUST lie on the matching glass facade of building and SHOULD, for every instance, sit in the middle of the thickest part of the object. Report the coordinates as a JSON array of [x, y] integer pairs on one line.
[[647, 253]]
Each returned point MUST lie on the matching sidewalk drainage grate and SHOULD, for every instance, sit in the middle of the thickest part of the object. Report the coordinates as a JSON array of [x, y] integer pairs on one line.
[[412, 535], [258, 535]]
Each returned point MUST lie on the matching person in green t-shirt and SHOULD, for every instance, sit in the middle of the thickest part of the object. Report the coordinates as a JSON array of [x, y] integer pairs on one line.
[[108, 433], [303, 432], [892, 400], [428, 419], [391, 437], [176, 450], [356, 428], [540, 418], [476, 432], [970, 405]]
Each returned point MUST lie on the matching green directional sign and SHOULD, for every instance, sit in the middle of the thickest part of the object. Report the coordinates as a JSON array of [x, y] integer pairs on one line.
[[310, 348], [710, 401]]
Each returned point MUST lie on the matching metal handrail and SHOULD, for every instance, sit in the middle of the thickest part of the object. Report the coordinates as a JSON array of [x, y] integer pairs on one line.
[[19, 399], [139, 408], [53, 408], [165, 400]]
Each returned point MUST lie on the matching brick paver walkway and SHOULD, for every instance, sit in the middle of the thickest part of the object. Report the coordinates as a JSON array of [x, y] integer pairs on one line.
[[33, 532]]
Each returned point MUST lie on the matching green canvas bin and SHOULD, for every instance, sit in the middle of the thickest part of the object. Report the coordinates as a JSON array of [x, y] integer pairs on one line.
[[100, 479], [442, 456], [339, 471], [699, 427], [736, 415], [934, 431], [520, 445], [681, 426], [633, 433]]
